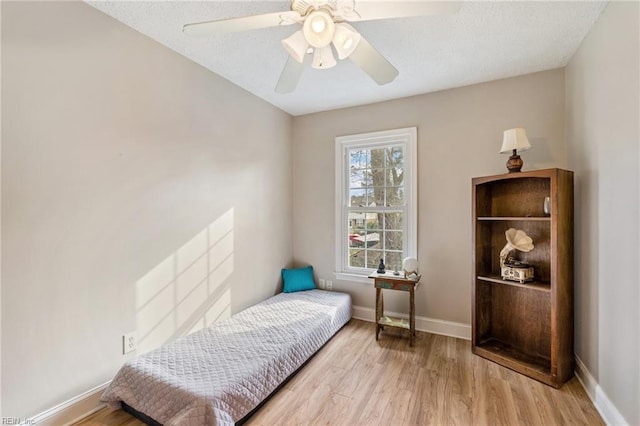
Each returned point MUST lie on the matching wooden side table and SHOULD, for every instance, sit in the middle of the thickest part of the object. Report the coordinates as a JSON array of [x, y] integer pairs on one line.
[[395, 282]]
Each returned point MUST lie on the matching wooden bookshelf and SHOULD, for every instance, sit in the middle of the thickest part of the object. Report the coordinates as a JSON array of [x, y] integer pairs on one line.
[[527, 327]]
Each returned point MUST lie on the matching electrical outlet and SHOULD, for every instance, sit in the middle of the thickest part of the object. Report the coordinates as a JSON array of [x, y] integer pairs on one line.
[[329, 285], [322, 283], [129, 342]]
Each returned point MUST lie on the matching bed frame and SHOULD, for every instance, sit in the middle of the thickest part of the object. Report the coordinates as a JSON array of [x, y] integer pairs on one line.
[[149, 421], [193, 378]]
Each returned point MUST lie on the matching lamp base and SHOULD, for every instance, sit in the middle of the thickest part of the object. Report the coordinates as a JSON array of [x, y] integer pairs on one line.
[[514, 164]]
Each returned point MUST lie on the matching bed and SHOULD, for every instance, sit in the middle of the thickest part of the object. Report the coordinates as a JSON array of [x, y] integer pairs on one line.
[[218, 375]]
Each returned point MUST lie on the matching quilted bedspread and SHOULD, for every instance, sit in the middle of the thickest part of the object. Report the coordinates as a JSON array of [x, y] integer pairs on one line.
[[217, 375]]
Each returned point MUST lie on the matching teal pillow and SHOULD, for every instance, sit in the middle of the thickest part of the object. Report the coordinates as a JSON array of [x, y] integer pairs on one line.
[[298, 279]]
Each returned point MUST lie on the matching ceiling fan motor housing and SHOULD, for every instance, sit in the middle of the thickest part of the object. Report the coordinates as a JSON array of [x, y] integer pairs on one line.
[[304, 7]]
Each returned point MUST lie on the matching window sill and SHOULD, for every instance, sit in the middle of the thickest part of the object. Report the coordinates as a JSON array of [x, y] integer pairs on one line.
[[357, 278]]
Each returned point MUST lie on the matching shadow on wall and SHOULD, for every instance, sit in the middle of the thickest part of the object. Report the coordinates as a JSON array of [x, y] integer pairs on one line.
[[188, 290]]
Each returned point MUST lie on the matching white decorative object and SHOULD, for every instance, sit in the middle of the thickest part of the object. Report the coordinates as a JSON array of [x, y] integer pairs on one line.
[[410, 267], [546, 207], [517, 239]]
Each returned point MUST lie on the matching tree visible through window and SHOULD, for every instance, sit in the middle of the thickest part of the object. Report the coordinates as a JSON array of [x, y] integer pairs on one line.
[[376, 180], [374, 202]]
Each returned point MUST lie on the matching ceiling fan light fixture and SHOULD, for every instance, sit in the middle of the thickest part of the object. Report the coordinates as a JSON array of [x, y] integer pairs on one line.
[[319, 28], [318, 24], [296, 45], [345, 40], [323, 58]]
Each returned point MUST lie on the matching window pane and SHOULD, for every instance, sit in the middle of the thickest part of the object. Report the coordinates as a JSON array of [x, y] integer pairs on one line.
[[377, 196], [356, 240], [360, 197], [358, 159], [395, 196], [373, 221], [394, 176], [393, 240], [395, 156], [377, 158], [377, 176], [394, 165], [367, 178], [355, 222], [358, 178], [393, 221], [370, 239], [356, 258], [373, 258], [393, 261]]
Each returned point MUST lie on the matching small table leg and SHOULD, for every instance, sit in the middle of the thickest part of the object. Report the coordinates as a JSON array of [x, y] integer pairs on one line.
[[379, 310], [412, 315]]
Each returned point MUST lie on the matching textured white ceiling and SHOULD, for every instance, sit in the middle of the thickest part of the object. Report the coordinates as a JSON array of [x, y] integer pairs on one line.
[[484, 41]]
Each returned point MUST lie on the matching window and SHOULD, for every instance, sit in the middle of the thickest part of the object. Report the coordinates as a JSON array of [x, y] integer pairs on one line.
[[375, 201]]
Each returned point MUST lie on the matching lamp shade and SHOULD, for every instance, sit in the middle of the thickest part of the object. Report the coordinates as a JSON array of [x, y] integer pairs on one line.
[[345, 40], [515, 139], [296, 45], [319, 28], [323, 58]]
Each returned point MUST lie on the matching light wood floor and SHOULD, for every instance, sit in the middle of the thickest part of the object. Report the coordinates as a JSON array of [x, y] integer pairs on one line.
[[355, 380]]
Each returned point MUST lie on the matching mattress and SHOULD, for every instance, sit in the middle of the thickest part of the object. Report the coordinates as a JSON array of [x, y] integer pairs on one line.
[[217, 375]]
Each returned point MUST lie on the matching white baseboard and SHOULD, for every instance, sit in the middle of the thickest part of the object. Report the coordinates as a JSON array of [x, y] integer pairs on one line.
[[430, 325], [603, 404], [73, 410]]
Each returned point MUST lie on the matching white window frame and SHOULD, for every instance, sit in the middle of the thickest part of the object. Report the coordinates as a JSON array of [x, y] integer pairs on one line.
[[407, 137]]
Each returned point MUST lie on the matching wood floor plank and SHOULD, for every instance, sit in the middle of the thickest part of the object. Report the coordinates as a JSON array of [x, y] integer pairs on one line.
[[422, 410], [356, 380], [276, 417], [108, 417], [545, 399], [382, 394], [527, 412], [396, 410]]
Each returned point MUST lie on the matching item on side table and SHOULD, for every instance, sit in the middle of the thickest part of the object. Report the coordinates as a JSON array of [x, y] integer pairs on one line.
[[381, 267], [410, 267]]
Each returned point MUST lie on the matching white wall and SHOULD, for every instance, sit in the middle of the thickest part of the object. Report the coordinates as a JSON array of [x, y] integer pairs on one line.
[[132, 179], [459, 136], [603, 133]]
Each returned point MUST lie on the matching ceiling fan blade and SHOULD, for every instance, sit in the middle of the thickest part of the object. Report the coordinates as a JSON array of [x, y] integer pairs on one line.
[[244, 23], [290, 75], [369, 10], [373, 63]]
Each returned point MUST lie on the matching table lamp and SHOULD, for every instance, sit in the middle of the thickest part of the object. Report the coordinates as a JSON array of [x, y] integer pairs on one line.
[[514, 140]]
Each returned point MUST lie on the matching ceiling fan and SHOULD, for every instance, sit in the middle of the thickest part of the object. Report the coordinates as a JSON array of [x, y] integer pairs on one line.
[[323, 24]]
